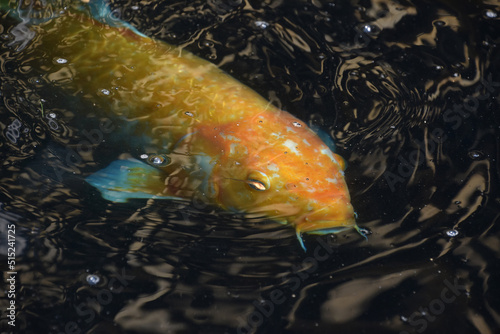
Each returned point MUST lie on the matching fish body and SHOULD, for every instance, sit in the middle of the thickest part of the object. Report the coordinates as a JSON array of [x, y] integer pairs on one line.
[[201, 129]]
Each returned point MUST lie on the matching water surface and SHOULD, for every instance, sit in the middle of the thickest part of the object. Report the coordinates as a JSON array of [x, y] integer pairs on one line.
[[409, 91]]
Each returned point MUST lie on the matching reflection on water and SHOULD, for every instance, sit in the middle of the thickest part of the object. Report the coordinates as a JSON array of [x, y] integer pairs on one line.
[[409, 92]]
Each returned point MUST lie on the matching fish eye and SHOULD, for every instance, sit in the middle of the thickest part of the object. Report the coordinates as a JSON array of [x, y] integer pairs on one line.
[[258, 181], [256, 185]]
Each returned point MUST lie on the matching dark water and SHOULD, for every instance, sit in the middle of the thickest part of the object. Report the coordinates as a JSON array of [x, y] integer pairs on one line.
[[408, 90]]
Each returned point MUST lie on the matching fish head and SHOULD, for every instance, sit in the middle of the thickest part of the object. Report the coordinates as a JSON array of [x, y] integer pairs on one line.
[[274, 166]]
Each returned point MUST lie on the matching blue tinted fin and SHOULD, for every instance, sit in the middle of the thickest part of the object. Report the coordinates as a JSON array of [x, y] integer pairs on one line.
[[100, 10], [47, 10], [325, 137], [131, 178], [330, 230]]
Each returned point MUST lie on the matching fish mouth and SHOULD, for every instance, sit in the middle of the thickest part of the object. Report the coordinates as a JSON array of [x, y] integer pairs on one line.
[[338, 216], [326, 226]]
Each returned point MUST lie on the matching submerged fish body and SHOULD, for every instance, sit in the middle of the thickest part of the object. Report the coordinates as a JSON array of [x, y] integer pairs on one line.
[[207, 130]]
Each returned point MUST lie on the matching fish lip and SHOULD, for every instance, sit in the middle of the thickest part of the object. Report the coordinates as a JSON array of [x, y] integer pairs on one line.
[[326, 226]]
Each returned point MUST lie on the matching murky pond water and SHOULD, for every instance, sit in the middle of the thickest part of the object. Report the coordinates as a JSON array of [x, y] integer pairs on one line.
[[408, 90]]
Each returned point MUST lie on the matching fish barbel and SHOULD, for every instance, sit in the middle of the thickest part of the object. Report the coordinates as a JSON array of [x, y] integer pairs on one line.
[[197, 128]]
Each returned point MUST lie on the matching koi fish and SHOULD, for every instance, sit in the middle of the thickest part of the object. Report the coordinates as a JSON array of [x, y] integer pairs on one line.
[[195, 127]]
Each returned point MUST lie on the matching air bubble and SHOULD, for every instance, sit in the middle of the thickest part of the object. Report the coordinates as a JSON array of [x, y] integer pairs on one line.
[[61, 60], [261, 24], [297, 124], [34, 80], [476, 155], [105, 91], [93, 279], [490, 14], [158, 160], [452, 233], [371, 29], [354, 74], [188, 113], [208, 44]]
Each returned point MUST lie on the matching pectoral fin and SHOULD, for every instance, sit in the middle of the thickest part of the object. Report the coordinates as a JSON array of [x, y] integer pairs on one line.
[[325, 137], [131, 178]]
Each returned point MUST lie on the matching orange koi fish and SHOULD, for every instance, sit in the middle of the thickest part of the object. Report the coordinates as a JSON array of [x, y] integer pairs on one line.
[[197, 129]]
